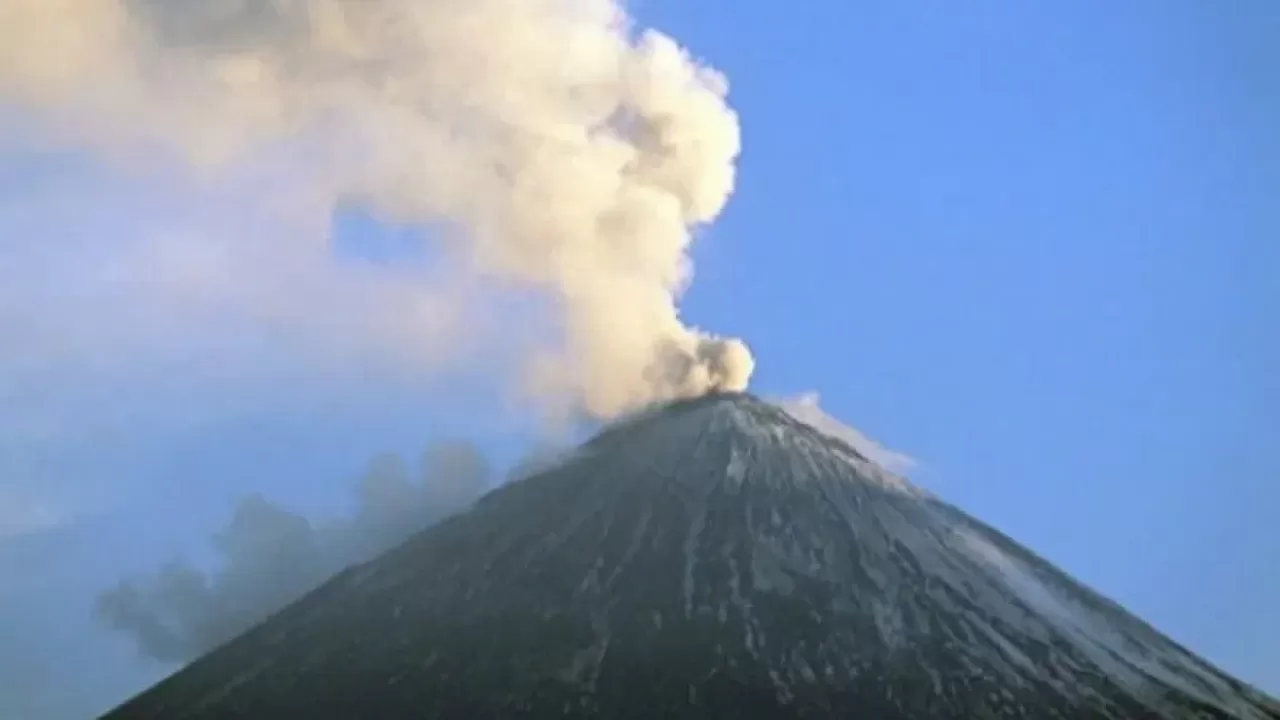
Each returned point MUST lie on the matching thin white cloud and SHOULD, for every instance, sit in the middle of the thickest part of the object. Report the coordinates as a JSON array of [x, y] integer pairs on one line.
[[805, 407]]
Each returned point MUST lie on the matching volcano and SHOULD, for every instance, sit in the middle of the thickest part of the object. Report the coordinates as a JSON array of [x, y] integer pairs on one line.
[[715, 558]]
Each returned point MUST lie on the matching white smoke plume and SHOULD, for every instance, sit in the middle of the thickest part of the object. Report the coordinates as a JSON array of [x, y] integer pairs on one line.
[[269, 555], [549, 145]]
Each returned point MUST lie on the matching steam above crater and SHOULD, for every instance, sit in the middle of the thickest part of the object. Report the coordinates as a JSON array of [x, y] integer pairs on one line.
[[565, 152]]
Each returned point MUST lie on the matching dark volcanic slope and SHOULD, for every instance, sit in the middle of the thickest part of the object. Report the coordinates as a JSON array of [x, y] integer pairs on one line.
[[716, 559]]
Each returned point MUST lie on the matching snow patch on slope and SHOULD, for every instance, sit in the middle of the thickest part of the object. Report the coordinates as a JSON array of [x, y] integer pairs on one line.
[[1124, 658]]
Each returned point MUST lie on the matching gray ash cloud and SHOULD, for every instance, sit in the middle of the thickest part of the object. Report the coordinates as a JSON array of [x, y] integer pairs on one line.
[[270, 555]]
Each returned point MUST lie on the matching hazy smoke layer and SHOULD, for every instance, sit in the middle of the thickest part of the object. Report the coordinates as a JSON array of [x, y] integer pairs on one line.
[[270, 556], [560, 151]]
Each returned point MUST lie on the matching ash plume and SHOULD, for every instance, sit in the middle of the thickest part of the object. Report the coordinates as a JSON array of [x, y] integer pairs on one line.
[[270, 555], [552, 148]]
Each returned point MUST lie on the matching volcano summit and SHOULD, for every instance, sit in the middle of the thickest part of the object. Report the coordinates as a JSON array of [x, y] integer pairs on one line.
[[715, 558]]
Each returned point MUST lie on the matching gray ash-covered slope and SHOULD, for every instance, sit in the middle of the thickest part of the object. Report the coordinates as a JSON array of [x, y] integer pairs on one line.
[[714, 559]]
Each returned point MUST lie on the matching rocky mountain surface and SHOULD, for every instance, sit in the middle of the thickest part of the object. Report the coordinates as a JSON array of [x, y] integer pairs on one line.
[[715, 558]]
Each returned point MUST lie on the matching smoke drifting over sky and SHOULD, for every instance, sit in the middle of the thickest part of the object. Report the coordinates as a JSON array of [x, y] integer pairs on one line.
[[549, 148], [269, 555], [174, 174]]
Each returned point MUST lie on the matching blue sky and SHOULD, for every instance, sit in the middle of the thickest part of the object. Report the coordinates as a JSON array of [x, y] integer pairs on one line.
[[1034, 245]]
